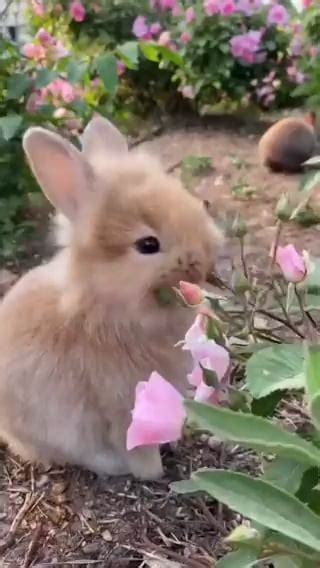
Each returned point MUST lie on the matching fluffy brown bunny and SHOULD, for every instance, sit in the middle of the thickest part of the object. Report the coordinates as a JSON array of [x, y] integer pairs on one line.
[[288, 143], [77, 334]]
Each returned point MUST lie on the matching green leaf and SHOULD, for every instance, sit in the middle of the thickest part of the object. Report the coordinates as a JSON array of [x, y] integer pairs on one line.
[[279, 367], [170, 55], [281, 561], [260, 501], [150, 51], [184, 487], [313, 382], [309, 181], [107, 69], [44, 77], [285, 474], [18, 84], [252, 432], [10, 125], [129, 52], [243, 558], [266, 405], [75, 71]]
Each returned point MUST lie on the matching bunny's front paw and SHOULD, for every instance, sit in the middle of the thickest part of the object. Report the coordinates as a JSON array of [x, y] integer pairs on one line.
[[145, 463]]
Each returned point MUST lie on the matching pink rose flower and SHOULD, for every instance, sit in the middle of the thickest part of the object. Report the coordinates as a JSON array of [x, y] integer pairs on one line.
[[176, 11], [164, 39], [62, 88], [34, 51], [187, 92], [158, 415], [292, 264], [306, 4], [34, 102], [212, 357], [168, 4], [196, 334], [278, 15], [38, 7], [59, 51], [211, 7], [185, 37], [77, 11], [45, 37], [121, 67], [190, 15], [227, 7], [191, 293], [140, 28], [155, 28]]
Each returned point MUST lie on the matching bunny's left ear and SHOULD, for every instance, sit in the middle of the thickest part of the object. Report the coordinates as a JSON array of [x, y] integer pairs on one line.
[[101, 139]]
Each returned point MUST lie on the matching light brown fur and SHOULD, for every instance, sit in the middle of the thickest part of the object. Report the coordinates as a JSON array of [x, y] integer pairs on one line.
[[288, 143], [77, 334]]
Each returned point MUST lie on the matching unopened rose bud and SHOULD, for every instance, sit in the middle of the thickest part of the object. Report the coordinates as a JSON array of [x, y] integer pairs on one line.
[[239, 228], [192, 293], [283, 208]]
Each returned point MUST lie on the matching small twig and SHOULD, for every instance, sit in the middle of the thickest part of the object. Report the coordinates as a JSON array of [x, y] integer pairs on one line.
[[9, 540], [175, 555], [243, 258], [210, 517], [174, 166], [33, 547]]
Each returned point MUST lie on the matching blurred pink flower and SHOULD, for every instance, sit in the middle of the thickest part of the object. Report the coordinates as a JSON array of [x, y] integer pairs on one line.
[[34, 51], [176, 11], [248, 7], [293, 265], [121, 68], [187, 92], [77, 11], [245, 46], [306, 3], [155, 28], [61, 88], [34, 101], [227, 7], [192, 293], [190, 15], [38, 7], [158, 415], [295, 75], [59, 51], [168, 4], [140, 28], [45, 37], [296, 46], [211, 7], [278, 15], [185, 37], [313, 51], [164, 39]]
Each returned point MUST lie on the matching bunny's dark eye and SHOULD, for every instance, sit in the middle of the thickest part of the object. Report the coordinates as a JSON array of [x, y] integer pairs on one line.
[[147, 245]]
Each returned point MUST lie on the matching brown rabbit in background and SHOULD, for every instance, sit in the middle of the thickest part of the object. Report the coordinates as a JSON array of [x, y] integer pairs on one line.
[[288, 143], [77, 334]]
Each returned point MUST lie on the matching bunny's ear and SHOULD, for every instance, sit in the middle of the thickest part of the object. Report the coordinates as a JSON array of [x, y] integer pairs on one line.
[[101, 139], [60, 169]]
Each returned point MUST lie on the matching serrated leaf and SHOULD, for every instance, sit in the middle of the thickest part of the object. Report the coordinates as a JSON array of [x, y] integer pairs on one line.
[[108, 71], [263, 503], [18, 84], [44, 77], [10, 125], [129, 51], [252, 432], [285, 474], [244, 558], [312, 377], [279, 367]]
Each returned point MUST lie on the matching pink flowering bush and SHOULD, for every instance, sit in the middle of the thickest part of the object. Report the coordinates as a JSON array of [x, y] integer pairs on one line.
[[229, 49]]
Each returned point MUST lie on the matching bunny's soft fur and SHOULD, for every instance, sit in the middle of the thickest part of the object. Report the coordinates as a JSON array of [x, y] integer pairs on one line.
[[77, 334]]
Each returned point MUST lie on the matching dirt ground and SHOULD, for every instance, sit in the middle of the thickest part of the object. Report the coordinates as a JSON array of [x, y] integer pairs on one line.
[[72, 518]]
